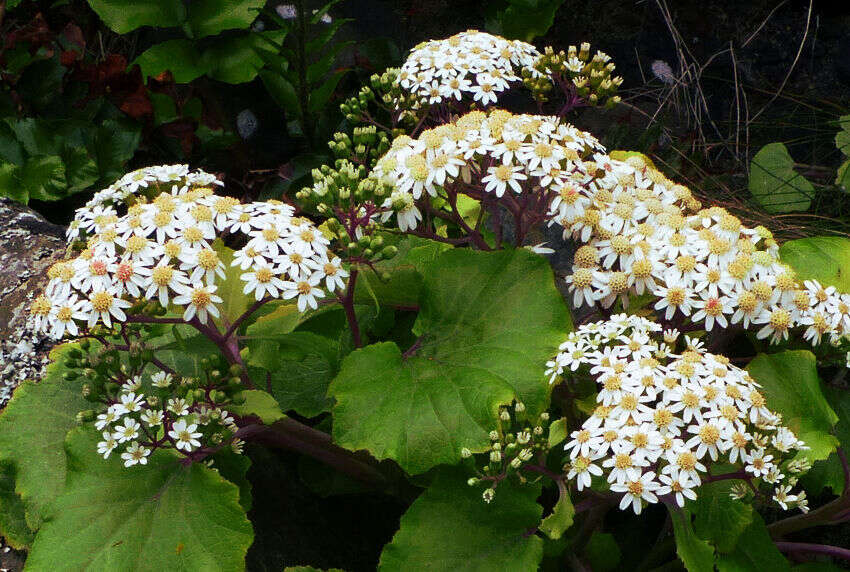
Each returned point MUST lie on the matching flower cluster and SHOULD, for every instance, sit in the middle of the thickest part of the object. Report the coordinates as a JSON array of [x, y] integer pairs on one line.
[[643, 233], [583, 78], [166, 249], [161, 177], [664, 418], [143, 405], [470, 63], [488, 155]]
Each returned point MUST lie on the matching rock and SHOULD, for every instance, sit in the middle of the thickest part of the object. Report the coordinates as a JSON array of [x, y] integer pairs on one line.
[[28, 246]]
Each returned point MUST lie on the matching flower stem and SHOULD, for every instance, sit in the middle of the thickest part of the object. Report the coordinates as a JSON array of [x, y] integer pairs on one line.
[[291, 434], [825, 549], [347, 302]]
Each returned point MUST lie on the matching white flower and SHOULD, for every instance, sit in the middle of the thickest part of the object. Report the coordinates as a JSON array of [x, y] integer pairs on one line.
[[106, 446], [199, 300], [501, 177], [126, 432], [185, 437], [135, 454], [637, 490], [306, 290]]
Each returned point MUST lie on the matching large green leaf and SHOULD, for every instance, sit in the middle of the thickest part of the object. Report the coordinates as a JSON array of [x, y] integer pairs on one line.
[[125, 16], [179, 56], [791, 385], [775, 185], [209, 17], [32, 433], [488, 322], [405, 271], [160, 516], [754, 551], [720, 519], [13, 522], [822, 258], [696, 554], [830, 473], [450, 527]]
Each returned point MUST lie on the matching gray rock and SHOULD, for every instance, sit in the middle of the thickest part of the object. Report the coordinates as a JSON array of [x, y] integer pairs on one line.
[[28, 246]]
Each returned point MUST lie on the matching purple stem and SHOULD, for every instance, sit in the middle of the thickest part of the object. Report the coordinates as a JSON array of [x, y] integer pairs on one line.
[[825, 549]]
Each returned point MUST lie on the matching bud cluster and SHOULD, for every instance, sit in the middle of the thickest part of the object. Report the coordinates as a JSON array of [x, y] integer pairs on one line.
[[348, 197], [585, 80], [519, 441], [141, 405], [383, 100], [364, 147]]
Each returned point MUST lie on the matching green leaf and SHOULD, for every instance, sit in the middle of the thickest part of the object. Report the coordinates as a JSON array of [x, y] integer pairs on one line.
[[695, 553], [406, 268], [260, 404], [561, 518], [450, 527], [791, 385], [10, 185], [234, 467], [35, 136], [755, 551], [842, 138], [80, 169], [11, 150], [306, 363], [159, 516], [124, 16], [775, 185], [235, 59], [13, 522], [164, 108], [720, 519], [181, 57], [112, 145], [602, 552], [320, 96], [32, 433], [488, 322], [183, 353], [822, 258], [528, 19], [43, 178], [830, 473], [842, 176], [282, 91], [209, 17], [234, 301], [557, 432]]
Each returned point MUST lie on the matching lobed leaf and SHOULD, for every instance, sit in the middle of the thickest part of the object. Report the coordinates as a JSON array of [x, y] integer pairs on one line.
[[450, 527], [160, 516], [488, 322]]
